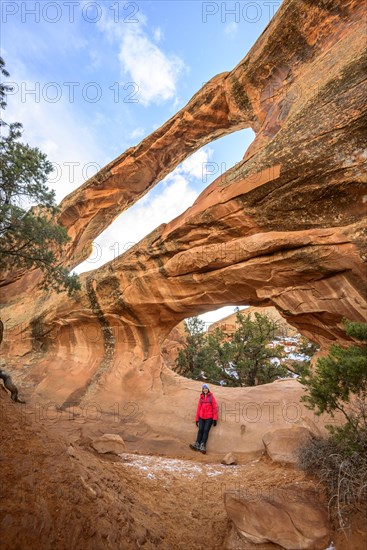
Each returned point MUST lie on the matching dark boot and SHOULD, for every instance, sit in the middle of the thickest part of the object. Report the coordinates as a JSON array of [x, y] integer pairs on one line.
[[202, 448], [195, 446]]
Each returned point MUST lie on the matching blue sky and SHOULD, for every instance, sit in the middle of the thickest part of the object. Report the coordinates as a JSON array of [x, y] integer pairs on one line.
[[92, 78]]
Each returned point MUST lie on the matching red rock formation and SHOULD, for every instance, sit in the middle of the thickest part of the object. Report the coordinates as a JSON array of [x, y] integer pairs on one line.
[[228, 323], [287, 516], [283, 228], [172, 344], [282, 445]]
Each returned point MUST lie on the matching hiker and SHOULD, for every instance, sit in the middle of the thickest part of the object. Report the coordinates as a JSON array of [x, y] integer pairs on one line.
[[206, 416]]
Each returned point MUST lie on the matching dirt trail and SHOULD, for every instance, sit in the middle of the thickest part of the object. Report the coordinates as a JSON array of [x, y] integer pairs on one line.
[[57, 496]]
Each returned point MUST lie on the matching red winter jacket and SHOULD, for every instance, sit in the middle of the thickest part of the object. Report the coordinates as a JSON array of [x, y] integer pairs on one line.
[[207, 407]]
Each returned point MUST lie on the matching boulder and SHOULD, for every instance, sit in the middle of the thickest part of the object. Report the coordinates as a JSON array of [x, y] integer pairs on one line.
[[289, 516], [229, 459], [310, 425], [109, 443], [282, 444]]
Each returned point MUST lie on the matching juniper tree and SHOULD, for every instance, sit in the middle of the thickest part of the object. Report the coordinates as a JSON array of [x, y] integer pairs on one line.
[[339, 383], [248, 357], [29, 236]]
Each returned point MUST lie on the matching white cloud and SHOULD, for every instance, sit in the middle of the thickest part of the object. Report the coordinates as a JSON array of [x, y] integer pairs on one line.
[[55, 128], [231, 28], [116, 29], [149, 67], [167, 201], [154, 72], [96, 59], [177, 104], [195, 165], [158, 34], [137, 133], [50, 147], [142, 218]]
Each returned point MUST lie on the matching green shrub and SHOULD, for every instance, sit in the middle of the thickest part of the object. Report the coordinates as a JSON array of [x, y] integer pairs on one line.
[[342, 472], [339, 384]]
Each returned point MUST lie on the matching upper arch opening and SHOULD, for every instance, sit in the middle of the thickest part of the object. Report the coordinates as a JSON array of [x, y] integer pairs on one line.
[[168, 199]]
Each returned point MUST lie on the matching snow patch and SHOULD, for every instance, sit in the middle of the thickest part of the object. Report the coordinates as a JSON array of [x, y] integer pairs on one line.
[[158, 467]]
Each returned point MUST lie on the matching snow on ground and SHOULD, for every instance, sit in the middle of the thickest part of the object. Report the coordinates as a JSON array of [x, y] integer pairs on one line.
[[157, 467]]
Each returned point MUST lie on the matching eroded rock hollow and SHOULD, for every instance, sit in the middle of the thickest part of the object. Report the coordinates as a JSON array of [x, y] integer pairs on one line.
[[285, 227]]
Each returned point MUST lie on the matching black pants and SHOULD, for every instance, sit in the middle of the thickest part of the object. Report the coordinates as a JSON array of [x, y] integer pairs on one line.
[[204, 427]]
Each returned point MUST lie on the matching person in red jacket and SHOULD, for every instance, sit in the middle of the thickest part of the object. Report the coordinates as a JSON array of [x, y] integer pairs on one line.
[[206, 416]]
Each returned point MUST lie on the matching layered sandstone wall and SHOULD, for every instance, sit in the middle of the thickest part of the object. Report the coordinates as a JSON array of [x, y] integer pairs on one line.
[[284, 228]]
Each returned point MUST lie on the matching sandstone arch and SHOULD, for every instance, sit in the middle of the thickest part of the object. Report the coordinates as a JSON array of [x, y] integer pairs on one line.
[[285, 227]]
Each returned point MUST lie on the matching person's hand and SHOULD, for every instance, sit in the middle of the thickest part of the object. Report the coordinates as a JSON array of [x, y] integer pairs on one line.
[[197, 423], [214, 423]]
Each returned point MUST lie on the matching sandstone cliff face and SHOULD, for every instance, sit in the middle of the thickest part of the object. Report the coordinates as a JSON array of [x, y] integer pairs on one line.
[[284, 228], [172, 344], [228, 324]]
